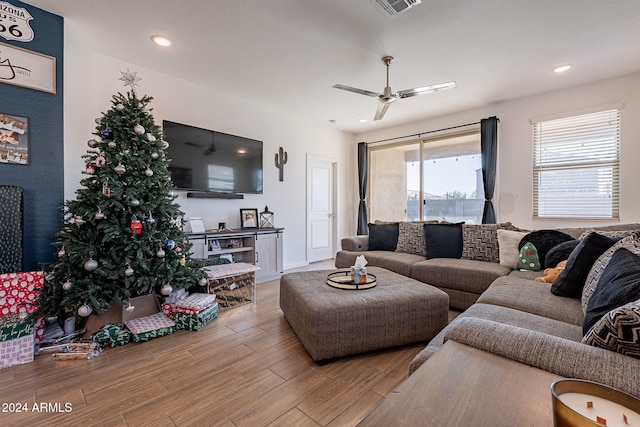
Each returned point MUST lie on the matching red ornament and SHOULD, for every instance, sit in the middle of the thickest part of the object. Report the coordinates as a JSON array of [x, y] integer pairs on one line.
[[136, 226]]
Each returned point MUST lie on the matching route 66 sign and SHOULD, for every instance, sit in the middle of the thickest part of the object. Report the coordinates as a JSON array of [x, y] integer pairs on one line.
[[14, 23]]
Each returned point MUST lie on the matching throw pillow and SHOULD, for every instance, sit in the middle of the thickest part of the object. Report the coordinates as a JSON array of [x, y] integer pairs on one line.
[[570, 281], [480, 241], [528, 258], [411, 238], [443, 240], [618, 330], [560, 253], [631, 243], [383, 237], [618, 285], [544, 240], [508, 250]]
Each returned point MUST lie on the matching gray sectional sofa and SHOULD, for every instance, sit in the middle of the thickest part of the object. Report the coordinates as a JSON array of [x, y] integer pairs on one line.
[[507, 313]]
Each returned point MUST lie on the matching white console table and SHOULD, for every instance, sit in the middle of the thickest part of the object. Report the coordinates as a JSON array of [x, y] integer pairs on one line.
[[261, 247]]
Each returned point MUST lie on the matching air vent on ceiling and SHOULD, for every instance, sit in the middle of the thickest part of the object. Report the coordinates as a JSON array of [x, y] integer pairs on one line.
[[393, 7]]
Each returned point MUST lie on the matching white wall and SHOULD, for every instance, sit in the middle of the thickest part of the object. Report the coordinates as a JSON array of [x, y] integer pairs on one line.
[[92, 78], [514, 199]]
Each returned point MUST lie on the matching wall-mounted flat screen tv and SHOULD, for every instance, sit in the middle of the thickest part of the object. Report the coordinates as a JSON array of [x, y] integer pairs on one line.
[[206, 160]]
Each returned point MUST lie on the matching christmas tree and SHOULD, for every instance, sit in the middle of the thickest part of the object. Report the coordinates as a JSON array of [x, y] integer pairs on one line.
[[122, 237]]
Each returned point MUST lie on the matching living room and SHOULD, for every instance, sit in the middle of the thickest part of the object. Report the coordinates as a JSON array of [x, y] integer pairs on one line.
[[90, 76]]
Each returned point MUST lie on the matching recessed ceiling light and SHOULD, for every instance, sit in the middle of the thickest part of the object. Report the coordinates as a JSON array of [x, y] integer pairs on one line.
[[561, 68], [362, 120], [162, 41]]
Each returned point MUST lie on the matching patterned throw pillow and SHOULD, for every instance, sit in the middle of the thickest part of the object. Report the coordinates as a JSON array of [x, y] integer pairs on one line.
[[632, 243], [528, 258], [618, 330], [480, 242], [411, 238]]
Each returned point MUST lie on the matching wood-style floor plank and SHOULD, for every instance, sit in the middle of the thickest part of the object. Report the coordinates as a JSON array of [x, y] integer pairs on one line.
[[245, 368]]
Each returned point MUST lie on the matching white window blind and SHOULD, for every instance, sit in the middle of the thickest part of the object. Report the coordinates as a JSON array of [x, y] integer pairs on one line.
[[576, 166]]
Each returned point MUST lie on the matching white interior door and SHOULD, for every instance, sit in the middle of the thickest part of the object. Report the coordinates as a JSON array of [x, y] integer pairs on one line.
[[321, 203]]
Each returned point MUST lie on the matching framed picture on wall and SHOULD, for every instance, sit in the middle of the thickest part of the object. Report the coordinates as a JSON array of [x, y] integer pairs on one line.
[[14, 139], [28, 69], [249, 218]]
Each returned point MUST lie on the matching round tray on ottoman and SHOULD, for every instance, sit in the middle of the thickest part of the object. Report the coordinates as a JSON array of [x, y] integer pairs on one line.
[[343, 280], [330, 322]]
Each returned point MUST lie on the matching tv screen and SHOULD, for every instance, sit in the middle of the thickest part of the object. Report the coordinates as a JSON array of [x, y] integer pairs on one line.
[[205, 160]]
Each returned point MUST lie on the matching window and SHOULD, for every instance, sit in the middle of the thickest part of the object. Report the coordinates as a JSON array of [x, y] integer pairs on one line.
[[575, 166], [434, 179]]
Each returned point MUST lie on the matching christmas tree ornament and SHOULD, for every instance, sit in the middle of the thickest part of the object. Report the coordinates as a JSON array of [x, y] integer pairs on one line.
[[92, 143], [160, 253], [171, 244], [155, 155], [177, 249], [61, 252], [150, 137], [148, 172], [51, 319], [107, 133], [183, 261], [151, 219], [98, 120], [106, 190], [130, 78], [91, 265], [79, 221], [136, 226], [120, 169], [165, 144], [128, 271], [99, 215], [139, 129], [203, 281], [134, 202], [90, 169], [100, 161], [166, 289], [84, 310], [111, 144], [119, 107], [67, 285]]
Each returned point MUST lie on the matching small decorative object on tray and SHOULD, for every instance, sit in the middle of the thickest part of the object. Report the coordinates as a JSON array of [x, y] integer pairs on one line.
[[344, 280]]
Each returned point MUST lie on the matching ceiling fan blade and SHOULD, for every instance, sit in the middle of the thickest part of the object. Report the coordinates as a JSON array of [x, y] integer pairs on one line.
[[426, 89], [356, 90], [382, 108]]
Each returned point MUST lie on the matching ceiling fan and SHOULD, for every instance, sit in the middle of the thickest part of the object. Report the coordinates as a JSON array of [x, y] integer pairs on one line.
[[387, 96]]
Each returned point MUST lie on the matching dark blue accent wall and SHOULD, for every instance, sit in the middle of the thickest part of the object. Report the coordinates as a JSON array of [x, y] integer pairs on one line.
[[43, 178]]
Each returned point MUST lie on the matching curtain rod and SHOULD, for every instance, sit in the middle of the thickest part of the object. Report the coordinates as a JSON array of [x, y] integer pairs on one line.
[[422, 133]]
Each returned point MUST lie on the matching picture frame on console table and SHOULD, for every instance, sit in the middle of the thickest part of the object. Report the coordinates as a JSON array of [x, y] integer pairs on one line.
[[248, 218]]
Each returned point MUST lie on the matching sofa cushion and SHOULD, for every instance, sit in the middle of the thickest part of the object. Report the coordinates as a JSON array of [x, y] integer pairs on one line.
[[544, 241], [383, 237], [532, 297], [459, 274], [480, 241], [618, 330], [443, 240], [631, 243], [570, 281], [508, 250], [507, 316], [618, 285], [528, 258], [560, 253], [411, 238]]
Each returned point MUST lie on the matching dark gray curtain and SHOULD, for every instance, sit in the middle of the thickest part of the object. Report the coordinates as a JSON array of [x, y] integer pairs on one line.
[[489, 149], [363, 172]]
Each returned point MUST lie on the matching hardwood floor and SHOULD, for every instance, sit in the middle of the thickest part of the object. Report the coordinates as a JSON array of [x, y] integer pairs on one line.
[[245, 368]]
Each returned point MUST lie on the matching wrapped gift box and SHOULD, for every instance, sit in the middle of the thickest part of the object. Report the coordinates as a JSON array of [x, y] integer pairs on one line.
[[169, 309], [12, 327], [17, 292], [113, 335], [150, 327], [16, 351], [197, 320], [195, 302]]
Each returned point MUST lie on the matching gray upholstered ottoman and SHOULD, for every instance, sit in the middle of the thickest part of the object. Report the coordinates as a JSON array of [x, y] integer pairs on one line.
[[334, 322]]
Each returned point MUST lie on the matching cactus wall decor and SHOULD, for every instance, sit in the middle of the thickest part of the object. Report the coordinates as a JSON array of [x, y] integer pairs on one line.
[[281, 160]]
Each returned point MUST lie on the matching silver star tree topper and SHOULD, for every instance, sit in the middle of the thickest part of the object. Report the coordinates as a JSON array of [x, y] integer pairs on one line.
[[130, 78]]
